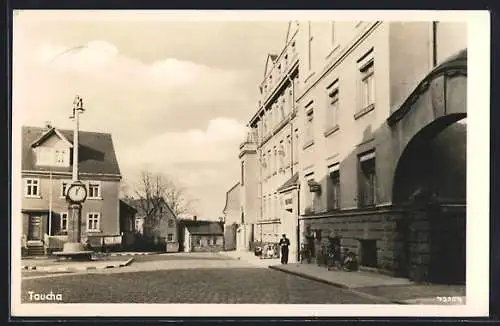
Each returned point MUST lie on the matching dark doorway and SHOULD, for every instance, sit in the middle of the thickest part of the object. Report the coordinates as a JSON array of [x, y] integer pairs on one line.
[[35, 227], [448, 250], [368, 253]]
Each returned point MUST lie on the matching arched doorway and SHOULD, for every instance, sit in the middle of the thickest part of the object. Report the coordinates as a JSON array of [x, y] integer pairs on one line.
[[430, 183]]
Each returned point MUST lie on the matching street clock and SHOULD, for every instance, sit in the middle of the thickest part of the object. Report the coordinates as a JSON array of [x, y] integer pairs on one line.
[[76, 193]]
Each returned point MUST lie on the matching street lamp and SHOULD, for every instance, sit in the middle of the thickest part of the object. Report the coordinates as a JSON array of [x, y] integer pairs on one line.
[[75, 195]]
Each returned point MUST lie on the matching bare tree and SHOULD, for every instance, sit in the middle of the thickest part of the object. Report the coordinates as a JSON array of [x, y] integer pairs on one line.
[[155, 190]]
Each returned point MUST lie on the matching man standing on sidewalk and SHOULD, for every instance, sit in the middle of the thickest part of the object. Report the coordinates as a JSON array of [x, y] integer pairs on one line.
[[284, 243]]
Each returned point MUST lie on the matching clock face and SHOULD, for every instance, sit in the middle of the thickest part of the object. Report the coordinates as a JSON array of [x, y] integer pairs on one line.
[[77, 193]]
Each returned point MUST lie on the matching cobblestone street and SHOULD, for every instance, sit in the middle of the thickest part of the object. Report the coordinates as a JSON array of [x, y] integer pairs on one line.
[[187, 278]]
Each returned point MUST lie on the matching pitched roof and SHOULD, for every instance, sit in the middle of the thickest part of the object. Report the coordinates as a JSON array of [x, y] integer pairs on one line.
[[96, 151], [203, 227], [293, 181]]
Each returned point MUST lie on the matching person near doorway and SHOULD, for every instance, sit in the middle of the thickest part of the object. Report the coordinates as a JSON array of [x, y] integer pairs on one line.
[[284, 244]]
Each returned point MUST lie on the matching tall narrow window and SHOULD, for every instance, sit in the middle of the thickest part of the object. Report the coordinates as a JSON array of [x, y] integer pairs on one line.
[[275, 160], [288, 150], [270, 160], [282, 155], [332, 110], [367, 85], [309, 126], [333, 187], [367, 180], [296, 146], [309, 194]]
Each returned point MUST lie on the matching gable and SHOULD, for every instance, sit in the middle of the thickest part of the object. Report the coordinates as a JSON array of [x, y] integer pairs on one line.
[[52, 138], [96, 151]]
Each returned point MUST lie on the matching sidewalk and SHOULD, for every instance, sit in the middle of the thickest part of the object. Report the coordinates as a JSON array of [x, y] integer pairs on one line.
[[381, 287], [250, 258], [52, 265]]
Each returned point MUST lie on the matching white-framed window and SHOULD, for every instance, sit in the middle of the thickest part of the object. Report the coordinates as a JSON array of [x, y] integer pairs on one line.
[[64, 187], [288, 149], [64, 221], [170, 237], [137, 225], [367, 84], [333, 187], [309, 126], [94, 190], [310, 196], [367, 180], [282, 154], [296, 147], [93, 222], [275, 163], [332, 111], [49, 156], [32, 187], [270, 160]]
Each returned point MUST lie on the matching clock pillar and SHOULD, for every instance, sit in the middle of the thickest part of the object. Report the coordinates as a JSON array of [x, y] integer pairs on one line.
[[74, 247], [74, 228]]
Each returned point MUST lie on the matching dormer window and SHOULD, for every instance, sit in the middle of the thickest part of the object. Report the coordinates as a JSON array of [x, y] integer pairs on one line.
[[52, 156]]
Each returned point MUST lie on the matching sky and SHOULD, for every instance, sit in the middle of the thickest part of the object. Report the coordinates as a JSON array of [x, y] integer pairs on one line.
[[175, 95]]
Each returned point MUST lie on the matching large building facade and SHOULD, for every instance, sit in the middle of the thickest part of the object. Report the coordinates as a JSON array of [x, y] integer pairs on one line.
[[374, 144], [382, 153]]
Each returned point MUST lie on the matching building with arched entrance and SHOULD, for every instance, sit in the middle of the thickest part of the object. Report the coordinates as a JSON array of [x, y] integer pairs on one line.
[[383, 148]]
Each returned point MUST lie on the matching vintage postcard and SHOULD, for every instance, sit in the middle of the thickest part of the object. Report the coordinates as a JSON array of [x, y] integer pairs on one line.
[[259, 163]]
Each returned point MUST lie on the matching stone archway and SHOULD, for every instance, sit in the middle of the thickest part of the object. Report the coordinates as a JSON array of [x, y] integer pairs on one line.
[[430, 176], [430, 182]]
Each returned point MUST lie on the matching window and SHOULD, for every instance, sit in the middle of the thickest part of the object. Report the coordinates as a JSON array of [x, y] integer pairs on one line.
[[52, 157], [199, 241], [367, 176], [214, 240], [94, 190], [64, 187], [334, 187], [242, 173], [282, 108], [93, 222], [309, 126], [288, 149], [171, 223], [170, 237], [32, 188], [367, 85], [64, 221], [270, 160], [275, 163], [310, 196], [282, 155], [333, 106], [61, 156], [296, 147]]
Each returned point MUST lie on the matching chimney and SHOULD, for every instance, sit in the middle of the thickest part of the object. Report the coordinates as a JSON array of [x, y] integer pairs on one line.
[[195, 218], [47, 125]]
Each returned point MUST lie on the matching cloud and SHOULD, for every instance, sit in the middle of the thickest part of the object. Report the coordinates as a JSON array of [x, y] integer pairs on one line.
[[218, 143], [160, 114]]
